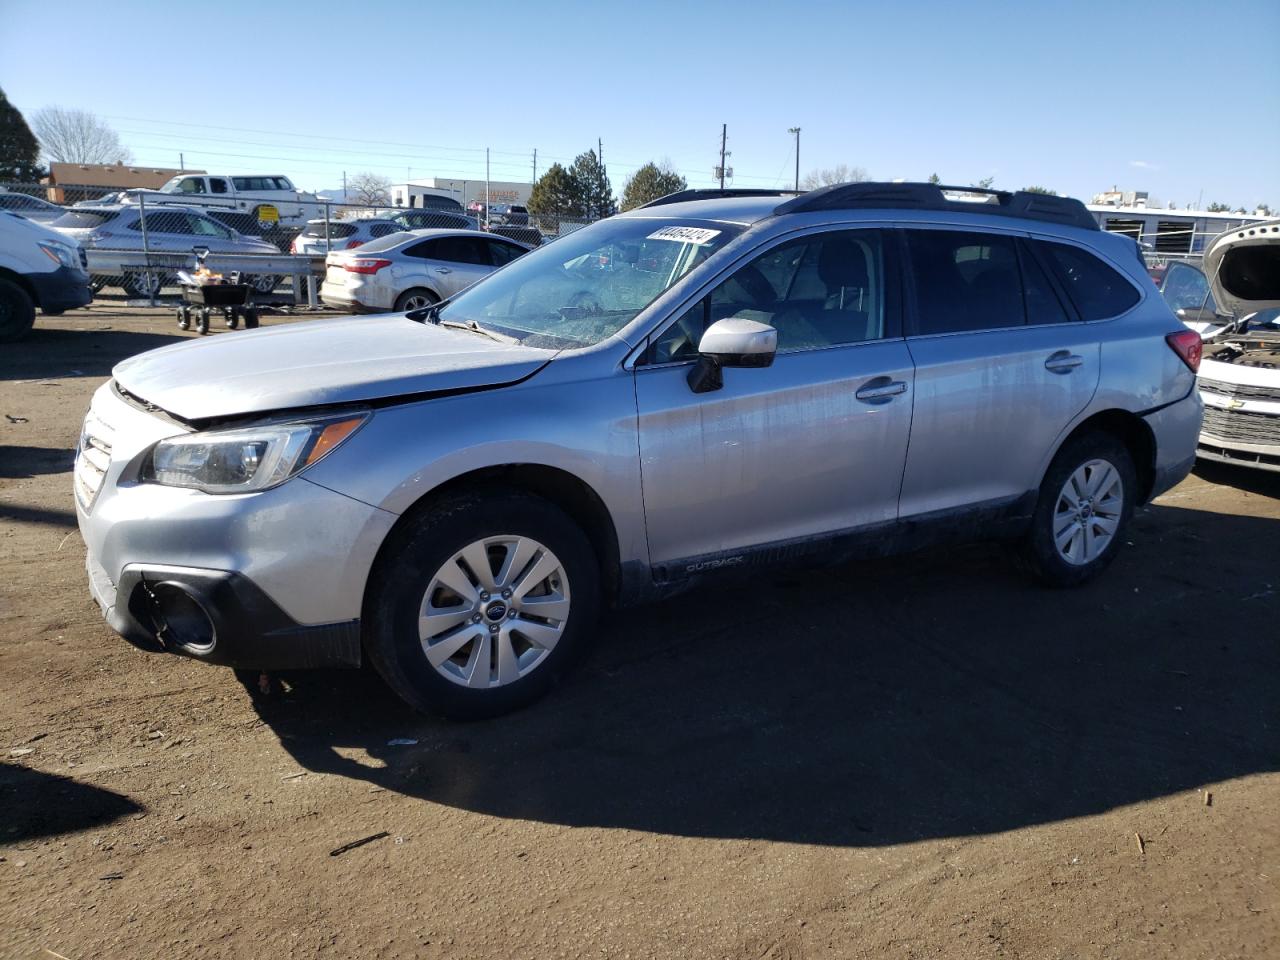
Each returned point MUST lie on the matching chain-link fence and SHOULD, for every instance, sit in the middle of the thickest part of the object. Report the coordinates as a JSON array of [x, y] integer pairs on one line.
[[137, 240]]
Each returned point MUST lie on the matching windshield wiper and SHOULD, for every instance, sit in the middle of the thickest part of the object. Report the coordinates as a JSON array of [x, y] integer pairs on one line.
[[474, 328], [425, 314]]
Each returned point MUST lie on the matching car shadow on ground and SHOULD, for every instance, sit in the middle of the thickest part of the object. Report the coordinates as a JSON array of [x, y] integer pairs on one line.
[[19, 462], [37, 804], [938, 694], [59, 354]]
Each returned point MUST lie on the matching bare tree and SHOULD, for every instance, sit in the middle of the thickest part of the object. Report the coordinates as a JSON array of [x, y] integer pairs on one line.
[[840, 173], [369, 189], [77, 136]]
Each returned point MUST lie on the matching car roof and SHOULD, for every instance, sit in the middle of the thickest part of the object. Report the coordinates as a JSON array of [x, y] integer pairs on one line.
[[929, 201], [739, 210]]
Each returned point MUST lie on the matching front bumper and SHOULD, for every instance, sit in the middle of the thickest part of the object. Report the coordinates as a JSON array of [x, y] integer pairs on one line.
[[279, 575], [223, 618], [62, 289]]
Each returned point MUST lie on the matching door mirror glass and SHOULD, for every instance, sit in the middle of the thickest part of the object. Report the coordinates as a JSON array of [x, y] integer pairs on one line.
[[732, 342]]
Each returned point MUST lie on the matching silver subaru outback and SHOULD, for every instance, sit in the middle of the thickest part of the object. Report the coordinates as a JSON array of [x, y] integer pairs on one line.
[[466, 494]]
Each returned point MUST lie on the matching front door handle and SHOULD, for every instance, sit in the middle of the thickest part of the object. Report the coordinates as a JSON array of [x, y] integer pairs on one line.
[[1063, 362], [881, 388], [443, 270]]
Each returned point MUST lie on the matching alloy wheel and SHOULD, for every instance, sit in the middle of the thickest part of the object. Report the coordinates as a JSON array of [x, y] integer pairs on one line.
[[494, 611], [1088, 512]]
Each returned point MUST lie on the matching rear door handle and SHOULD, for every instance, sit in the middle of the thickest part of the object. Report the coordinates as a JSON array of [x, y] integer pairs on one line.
[[881, 388], [1063, 362]]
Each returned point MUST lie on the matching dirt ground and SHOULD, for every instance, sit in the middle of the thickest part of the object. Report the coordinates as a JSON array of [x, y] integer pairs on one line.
[[929, 757]]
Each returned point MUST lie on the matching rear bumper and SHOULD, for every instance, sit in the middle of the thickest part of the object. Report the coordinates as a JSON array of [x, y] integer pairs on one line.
[[61, 289], [1175, 428], [223, 618]]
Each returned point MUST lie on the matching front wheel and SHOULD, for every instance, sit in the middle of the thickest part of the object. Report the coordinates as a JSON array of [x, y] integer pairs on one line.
[[142, 286], [481, 604], [17, 311], [1083, 511]]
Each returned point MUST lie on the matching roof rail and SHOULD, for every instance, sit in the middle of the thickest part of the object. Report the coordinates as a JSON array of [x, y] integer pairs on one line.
[[930, 196], [680, 196]]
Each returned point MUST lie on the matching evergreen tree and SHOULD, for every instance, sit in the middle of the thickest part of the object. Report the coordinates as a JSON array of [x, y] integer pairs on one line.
[[591, 181], [649, 183], [19, 149], [556, 194]]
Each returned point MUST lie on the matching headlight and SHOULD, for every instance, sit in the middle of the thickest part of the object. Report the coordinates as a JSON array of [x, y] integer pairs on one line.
[[249, 459], [60, 253]]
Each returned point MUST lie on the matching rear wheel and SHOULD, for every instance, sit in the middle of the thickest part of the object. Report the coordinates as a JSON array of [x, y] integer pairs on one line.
[[415, 299], [482, 604], [1084, 508], [142, 286], [17, 311], [264, 283]]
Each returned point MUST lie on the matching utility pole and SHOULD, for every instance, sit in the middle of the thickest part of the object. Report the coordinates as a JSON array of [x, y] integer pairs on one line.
[[535, 164], [796, 131], [182, 163], [724, 137], [344, 186]]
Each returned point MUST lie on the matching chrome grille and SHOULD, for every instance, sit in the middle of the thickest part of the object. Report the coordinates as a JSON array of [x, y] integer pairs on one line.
[[93, 457], [1241, 391], [1246, 426]]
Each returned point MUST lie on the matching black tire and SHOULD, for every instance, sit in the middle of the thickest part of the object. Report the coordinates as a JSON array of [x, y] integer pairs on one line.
[[202, 321], [1038, 552], [231, 317], [17, 312], [404, 571], [184, 318], [251, 319], [402, 301], [98, 284]]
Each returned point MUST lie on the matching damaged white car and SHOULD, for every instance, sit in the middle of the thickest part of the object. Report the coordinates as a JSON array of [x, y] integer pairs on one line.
[[1234, 303]]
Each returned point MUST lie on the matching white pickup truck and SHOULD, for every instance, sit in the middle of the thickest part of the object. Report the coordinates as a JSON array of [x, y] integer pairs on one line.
[[267, 199]]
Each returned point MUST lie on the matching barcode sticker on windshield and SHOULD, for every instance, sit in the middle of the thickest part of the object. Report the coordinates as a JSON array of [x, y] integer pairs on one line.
[[697, 235]]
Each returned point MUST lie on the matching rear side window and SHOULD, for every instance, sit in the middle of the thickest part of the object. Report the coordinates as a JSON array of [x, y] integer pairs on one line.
[[1043, 305], [1097, 290], [458, 250], [965, 281], [382, 229]]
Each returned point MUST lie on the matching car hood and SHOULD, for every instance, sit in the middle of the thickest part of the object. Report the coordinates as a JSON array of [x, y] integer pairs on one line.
[[1243, 267], [318, 363]]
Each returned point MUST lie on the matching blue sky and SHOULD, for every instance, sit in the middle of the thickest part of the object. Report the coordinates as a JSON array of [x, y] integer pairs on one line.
[[1076, 96]]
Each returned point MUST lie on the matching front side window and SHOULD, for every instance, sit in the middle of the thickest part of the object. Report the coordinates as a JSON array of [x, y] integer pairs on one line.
[[1097, 290], [191, 185], [591, 283], [965, 281], [503, 253], [818, 291]]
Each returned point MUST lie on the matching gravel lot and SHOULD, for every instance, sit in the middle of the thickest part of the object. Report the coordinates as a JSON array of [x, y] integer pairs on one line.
[[928, 757]]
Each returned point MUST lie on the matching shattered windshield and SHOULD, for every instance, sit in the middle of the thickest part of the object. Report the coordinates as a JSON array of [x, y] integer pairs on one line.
[[588, 285]]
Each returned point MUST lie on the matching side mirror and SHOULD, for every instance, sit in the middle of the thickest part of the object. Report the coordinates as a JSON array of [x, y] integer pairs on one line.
[[732, 342]]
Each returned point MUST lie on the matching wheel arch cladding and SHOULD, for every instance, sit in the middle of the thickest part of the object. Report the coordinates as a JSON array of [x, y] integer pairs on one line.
[[21, 282], [1135, 433], [569, 493]]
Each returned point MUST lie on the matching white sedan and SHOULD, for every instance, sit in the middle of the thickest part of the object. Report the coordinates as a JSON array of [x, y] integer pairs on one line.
[[413, 269]]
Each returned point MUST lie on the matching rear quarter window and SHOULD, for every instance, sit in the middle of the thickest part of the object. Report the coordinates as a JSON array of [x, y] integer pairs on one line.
[[1098, 290]]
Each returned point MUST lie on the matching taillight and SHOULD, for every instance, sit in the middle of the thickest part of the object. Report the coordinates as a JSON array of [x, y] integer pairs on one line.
[[293, 247], [1188, 346], [365, 266], [352, 244]]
